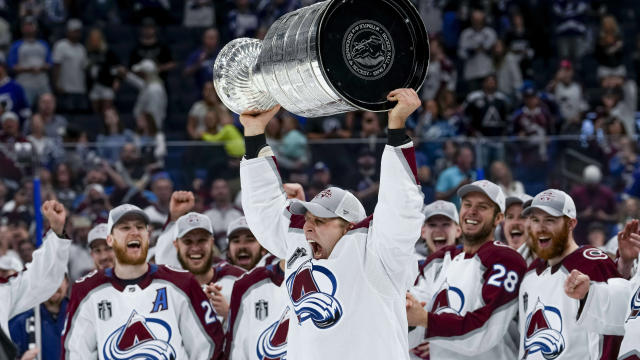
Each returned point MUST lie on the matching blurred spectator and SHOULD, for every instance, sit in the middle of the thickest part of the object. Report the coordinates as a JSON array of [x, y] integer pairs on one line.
[[518, 41], [320, 176], [329, 127], [52, 320], [10, 131], [210, 102], [487, 110], [619, 100], [597, 235], [221, 129], [432, 126], [442, 72], [292, 151], [371, 130], [149, 140], [30, 59], [149, 47], [70, 60], [431, 14], [624, 163], [221, 211], [501, 174], [451, 179], [242, 21], [474, 49], [508, 73], [4, 191], [532, 122], [270, 10], [629, 210], [102, 64], [101, 12], [131, 166], [55, 126], [200, 62], [152, 97], [199, 13], [152, 9], [567, 93], [48, 149], [6, 249], [25, 250], [113, 137], [332, 127], [5, 36], [80, 261], [162, 188], [64, 186], [366, 182], [448, 158], [609, 49], [594, 202], [570, 28], [12, 95]]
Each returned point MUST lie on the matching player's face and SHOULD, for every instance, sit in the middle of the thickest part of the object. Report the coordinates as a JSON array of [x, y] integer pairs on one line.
[[440, 231], [549, 234], [130, 241], [323, 234], [478, 217], [102, 254], [244, 249], [195, 251], [515, 229]]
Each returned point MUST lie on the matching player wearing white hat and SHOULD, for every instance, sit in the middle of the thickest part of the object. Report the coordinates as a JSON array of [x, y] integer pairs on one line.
[[345, 274], [101, 253]]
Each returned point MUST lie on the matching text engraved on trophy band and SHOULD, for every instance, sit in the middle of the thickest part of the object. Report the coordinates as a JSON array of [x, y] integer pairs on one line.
[[368, 49]]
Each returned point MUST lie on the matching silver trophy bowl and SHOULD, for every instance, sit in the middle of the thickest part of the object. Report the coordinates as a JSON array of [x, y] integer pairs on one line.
[[328, 58]]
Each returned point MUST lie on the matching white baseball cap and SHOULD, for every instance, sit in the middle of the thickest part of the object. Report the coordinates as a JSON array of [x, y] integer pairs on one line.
[[119, 212], [145, 66], [554, 202], [237, 224], [517, 199], [99, 232], [330, 203], [493, 192], [441, 207], [192, 221]]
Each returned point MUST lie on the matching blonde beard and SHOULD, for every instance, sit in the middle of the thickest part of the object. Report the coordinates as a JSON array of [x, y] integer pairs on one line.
[[125, 259]]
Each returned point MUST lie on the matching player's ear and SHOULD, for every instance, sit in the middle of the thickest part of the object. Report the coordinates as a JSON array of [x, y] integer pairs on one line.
[[458, 231], [110, 240], [572, 223], [175, 243]]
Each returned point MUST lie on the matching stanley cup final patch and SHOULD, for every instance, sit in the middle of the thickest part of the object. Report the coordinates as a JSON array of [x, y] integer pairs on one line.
[[368, 49]]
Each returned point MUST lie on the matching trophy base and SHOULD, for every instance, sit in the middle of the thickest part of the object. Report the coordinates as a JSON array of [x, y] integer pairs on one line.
[[233, 77]]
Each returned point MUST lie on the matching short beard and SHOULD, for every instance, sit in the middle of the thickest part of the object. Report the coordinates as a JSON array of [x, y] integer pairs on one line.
[[196, 271], [558, 244], [482, 235], [125, 259]]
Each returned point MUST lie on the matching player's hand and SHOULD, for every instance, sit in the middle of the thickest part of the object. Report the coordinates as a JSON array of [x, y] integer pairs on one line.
[[294, 191], [416, 314], [55, 213], [30, 354], [217, 299], [181, 203], [576, 286], [629, 241], [408, 102], [255, 122], [421, 351]]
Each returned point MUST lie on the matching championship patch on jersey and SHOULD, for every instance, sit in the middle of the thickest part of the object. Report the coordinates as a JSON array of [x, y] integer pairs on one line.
[[448, 300], [272, 342], [104, 310], [635, 306], [140, 338], [312, 290], [262, 309], [543, 333]]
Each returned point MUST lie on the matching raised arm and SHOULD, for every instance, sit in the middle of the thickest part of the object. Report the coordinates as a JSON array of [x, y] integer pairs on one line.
[[180, 204], [397, 218]]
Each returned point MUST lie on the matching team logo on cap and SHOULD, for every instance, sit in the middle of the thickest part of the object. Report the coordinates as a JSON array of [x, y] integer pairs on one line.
[[312, 290], [324, 194], [140, 338], [368, 50], [272, 343], [635, 306], [547, 196], [193, 219], [449, 300], [543, 333]]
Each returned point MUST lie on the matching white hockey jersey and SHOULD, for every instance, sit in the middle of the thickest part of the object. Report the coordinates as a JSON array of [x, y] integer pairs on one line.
[[548, 317], [163, 315], [471, 300], [225, 275], [615, 307], [38, 282], [351, 305], [258, 316]]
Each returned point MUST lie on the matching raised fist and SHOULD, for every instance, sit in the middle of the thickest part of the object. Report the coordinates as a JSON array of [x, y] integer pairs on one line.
[[181, 203], [55, 213], [254, 122], [408, 101], [577, 285]]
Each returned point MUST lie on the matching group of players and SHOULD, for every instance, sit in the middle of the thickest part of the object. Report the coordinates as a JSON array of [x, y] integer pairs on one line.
[[322, 280]]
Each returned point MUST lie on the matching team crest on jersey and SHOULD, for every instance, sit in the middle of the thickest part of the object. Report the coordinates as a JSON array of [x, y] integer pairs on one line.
[[543, 333], [312, 290], [635, 306], [140, 338], [449, 300], [272, 343]]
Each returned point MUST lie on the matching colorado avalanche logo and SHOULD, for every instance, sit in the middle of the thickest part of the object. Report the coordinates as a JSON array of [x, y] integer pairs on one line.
[[635, 306], [272, 343], [543, 332], [449, 300], [141, 338], [312, 289]]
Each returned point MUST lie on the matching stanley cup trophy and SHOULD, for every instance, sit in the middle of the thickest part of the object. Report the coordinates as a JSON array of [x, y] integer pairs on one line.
[[328, 58]]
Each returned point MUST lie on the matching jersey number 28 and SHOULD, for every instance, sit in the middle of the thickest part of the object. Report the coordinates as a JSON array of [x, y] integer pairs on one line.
[[499, 279]]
